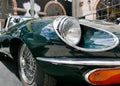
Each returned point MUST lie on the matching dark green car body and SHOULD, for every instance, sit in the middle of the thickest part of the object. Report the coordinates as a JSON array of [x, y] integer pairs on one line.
[[56, 57]]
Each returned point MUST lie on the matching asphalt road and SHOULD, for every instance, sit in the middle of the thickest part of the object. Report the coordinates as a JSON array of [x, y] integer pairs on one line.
[[8, 72]]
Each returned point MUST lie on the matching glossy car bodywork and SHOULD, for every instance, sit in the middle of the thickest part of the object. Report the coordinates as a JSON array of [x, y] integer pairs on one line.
[[98, 47]]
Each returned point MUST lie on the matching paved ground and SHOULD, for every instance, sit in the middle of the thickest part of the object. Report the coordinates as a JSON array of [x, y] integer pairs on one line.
[[8, 73]]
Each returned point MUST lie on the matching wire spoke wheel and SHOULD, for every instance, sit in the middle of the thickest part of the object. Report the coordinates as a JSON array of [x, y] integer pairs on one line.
[[27, 65], [31, 74]]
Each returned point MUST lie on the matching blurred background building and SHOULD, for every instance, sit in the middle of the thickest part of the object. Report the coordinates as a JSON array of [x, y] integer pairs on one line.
[[108, 10]]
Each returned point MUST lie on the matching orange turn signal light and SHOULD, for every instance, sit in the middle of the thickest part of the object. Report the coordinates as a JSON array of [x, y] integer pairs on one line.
[[103, 76]]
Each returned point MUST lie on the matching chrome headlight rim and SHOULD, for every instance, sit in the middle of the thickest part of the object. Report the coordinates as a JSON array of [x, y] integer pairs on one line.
[[55, 26], [58, 24]]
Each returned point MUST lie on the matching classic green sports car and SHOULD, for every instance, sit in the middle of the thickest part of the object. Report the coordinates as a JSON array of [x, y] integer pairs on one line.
[[52, 48]]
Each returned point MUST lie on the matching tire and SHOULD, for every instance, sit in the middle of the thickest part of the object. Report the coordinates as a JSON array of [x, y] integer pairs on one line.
[[29, 72]]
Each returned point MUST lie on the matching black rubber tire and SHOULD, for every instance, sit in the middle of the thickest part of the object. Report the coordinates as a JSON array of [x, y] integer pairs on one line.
[[40, 78]]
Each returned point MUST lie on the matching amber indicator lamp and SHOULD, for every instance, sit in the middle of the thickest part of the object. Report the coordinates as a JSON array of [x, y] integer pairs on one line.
[[103, 76]]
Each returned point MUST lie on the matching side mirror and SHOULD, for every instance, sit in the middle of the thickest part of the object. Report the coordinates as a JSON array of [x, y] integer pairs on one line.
[[16, 19]]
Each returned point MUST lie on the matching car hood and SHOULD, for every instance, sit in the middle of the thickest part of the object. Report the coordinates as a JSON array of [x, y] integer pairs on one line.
[[96, 36]]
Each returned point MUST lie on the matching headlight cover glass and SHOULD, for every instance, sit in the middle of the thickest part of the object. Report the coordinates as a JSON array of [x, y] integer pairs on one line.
[[68, 29]]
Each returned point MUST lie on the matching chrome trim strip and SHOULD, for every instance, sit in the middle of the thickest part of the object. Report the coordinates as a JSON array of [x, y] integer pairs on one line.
[[82, 61]]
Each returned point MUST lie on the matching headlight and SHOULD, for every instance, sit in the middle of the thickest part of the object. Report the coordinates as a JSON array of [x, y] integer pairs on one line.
[[68, 29]]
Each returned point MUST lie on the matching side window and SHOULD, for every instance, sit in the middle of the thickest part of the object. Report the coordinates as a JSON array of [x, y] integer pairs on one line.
[[5, 23], [9, 22], [13, 21]]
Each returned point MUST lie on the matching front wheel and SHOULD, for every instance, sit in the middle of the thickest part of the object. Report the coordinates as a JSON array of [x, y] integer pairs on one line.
[[30, 73]]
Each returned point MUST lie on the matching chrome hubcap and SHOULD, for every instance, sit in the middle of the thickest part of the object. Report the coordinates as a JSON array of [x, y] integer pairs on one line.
[[27, 65]]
